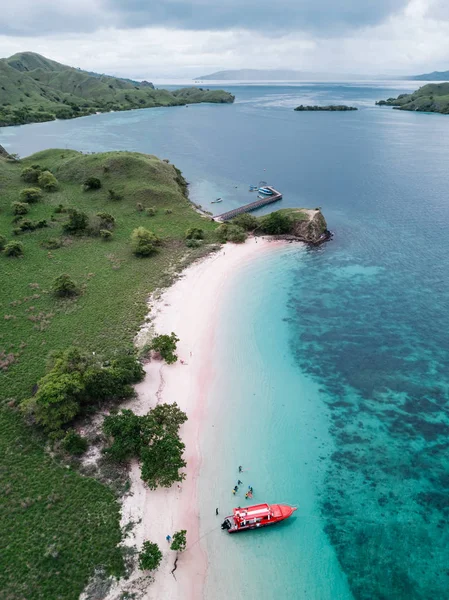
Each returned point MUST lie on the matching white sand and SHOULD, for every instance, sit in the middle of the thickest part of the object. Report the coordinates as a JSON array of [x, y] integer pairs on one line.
[[190, 309]]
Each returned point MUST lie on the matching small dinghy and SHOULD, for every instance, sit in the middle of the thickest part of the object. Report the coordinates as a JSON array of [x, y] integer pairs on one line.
[[217, 200]]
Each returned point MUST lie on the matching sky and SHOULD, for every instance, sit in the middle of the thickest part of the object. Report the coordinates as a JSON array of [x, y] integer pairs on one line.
[[148, 39]]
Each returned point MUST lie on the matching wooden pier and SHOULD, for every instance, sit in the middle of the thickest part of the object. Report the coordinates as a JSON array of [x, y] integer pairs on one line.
[[227, 216]]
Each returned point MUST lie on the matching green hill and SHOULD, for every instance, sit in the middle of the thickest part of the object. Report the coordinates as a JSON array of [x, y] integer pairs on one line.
[[34, 89], [433, 97], [434, 76], [66, 524]]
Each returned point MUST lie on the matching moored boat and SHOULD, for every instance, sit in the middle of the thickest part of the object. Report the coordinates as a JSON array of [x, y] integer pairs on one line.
[[266, 191], [257, 516], [217, 200]]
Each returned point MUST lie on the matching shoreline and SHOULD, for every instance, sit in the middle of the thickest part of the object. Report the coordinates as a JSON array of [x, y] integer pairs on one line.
[[189, 308]]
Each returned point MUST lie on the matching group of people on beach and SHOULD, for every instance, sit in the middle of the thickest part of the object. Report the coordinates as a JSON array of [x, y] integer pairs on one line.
[[235, 489]]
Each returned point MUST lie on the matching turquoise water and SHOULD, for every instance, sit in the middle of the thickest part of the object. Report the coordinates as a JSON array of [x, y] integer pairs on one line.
[[343, 348]]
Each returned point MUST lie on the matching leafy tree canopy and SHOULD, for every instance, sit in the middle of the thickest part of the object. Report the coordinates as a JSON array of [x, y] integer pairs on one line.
[[166, 346], [150, 556]]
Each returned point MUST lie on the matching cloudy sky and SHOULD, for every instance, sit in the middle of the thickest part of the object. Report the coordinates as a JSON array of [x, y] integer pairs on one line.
[[154, 39]]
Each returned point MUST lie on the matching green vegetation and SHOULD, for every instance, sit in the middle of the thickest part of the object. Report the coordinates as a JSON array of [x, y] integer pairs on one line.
[[329, 108], [92, 183], [74, 444], [246, 221], [31, 195], [433, 97], [144, 242], [179, 542], [153, 439], [48, 181], [228, 232], [149, 557], [82, 527], [65, 287], [14, 249], [35, 89], [276, 223], [165, 346], [194, 233], [78, 381]]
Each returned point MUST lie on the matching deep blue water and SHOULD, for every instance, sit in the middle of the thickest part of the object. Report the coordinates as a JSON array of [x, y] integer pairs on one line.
[[367, 314]]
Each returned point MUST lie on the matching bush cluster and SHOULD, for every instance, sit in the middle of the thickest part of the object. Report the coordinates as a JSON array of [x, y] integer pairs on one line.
[[13, 249], [77, 222], [91, 183], [246, 221], [144, 242], [153, 439], [31, 174], [20, 208], [65, 287], [28, 225], [276, 223], [165, 345], [231, 233], [75, 444], [31, 195], [48, 181], [76, 381], [194, 233]]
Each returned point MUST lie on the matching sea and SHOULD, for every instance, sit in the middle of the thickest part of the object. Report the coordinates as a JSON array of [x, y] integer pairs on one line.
[[331, 363]]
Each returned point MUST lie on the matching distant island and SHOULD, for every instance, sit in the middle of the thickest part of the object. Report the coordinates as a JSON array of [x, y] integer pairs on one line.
[[330, 108], [434, 76], [275, 75], [35, 89], [433, 97]]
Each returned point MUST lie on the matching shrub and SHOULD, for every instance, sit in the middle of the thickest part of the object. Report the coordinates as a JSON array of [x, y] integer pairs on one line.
[[48, 181], [161, 461], [166, 346], [60, 209], [51, 244], [107, 221], [276, 223], [14, 249], [246, 221], [149, 557], [64, 286], [113, 195], [194, 233], [168, 211], [77, 222], [144, 242], [179, 541], [20, 208], [31, 174], [92, 183], [105, 234], [31, 195], [151, 212], [2, 242], [74, 444], [139, 207], [193, 243]]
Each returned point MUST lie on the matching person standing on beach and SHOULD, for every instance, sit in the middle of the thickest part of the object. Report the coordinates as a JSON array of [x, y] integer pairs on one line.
[[240, 469], [216, 512], [168, 538]]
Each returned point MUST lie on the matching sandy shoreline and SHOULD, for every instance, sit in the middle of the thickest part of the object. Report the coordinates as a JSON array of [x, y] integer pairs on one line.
[[189, 308]]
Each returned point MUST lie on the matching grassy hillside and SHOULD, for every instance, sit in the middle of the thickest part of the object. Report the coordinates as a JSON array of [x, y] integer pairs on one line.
[[34, 89], [433, 97], [64, 524]]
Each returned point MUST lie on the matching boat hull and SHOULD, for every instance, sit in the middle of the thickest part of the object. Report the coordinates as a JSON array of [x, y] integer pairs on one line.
[[251, 518]]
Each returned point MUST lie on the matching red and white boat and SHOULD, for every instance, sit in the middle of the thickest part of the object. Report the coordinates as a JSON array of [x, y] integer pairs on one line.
[[259, 515]]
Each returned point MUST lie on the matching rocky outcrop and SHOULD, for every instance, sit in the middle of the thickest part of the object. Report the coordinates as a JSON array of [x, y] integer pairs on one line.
[[312, 229], [3, 152]]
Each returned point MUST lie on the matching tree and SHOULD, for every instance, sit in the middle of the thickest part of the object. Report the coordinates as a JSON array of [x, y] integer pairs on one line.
[[31, 174], [48, 181], [149, 557], [14, 249], [106, 220], [246, 221], [276, 223], [194, 233], [125, 431], [31, 195], [65, 287], [162, 461], [166, 346], [92, 183], [231, 233], [77, 222], [179, 541], [162, 418], [20, 208], [144, 242]]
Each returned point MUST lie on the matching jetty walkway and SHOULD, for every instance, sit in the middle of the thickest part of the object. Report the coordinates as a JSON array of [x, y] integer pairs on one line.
[[249, 207]]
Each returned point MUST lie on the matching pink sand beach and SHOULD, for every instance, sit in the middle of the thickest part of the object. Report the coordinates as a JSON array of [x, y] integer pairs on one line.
[[190, 308]]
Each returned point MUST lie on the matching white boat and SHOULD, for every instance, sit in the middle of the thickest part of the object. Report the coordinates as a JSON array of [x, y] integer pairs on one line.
[[217, 200]]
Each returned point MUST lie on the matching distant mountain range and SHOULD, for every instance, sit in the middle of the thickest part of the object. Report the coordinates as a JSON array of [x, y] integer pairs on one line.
[[274, 75], [434, 76]]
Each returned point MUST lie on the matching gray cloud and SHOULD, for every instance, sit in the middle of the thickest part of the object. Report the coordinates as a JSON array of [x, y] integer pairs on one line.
[[283, 15], [321, 17]]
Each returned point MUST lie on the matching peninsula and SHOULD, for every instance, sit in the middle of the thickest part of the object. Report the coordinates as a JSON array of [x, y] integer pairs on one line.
[[433, 97], [34, 89], [330, 108]]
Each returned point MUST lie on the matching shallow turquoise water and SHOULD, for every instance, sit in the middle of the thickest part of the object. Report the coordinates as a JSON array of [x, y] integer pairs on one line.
[[345, 347]]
